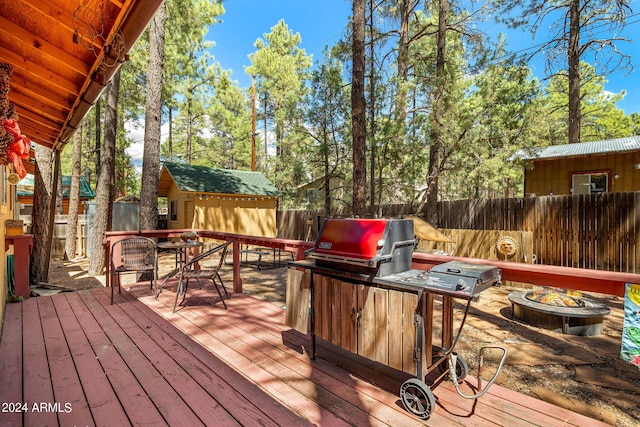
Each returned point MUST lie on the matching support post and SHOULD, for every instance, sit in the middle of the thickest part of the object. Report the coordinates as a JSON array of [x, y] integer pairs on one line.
[[237, 280]]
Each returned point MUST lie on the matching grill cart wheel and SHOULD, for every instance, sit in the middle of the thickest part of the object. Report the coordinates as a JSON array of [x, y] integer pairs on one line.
[[462, 369], [417, 398]]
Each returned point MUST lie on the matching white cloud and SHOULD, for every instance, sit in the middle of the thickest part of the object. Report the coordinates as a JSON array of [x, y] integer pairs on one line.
[[135, 133]]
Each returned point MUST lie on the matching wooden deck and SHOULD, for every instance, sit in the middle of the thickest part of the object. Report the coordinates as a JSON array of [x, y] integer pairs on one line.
[[73, 359]]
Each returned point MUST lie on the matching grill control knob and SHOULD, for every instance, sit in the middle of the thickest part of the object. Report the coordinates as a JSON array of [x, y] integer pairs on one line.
[[461, 286]]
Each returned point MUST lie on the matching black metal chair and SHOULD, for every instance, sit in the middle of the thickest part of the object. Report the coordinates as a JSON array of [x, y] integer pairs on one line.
[[136, 254], [205, 266]]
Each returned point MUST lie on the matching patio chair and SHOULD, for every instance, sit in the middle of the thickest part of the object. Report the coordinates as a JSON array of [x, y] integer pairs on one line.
[[133, 255], [206, 267]]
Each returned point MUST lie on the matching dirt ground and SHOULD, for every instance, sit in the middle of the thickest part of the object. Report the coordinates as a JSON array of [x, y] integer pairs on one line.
[[584, 374]]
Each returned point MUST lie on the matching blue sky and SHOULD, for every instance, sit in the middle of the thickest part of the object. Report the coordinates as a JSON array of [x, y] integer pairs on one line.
[[322, 22]]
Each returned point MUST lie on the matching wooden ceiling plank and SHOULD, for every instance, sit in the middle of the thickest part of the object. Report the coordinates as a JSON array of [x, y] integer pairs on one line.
[[42, 92], [42, 123], [23, 65], [26, 38], [36, 130], [38, 137], [117, 3], [21, 99], [36, 36]]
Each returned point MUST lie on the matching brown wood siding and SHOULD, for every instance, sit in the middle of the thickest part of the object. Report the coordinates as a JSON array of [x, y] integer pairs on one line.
[[65, 204], [554, 176]]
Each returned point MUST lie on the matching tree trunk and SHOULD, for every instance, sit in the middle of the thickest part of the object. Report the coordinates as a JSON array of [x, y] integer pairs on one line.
[[74, 197], [148, 218], [574, 72], [266, 139], [189, 149], [430, 201], [98, 132], [327, 178], [372, 113], [406, 9], [105, 189], [59, 198], [358, 112], [170, 136], [42, 195]]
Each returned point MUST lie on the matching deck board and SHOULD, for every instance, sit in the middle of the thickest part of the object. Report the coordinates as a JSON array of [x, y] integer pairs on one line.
[[101, 399], [130, 395], [10, 363], [69, 400], [136, 362], [215, 376], [37, 384]]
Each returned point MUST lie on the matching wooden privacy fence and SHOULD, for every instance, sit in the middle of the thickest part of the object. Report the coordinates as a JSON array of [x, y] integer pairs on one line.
[[597, 231], [303, 225], [60, 234], [484, 244]]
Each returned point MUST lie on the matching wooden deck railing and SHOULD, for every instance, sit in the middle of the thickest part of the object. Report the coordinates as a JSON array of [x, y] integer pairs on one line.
[[605, 282]]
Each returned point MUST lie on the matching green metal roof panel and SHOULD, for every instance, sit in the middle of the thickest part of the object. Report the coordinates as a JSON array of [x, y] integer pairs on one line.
[[620, 145], [25, 187], [204, 179]]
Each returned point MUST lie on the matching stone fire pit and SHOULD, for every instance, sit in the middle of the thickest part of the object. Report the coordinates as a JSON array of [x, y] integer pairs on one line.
[[559, 312]]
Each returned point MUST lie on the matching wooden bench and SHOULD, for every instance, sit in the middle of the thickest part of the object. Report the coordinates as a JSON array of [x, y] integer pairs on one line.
[[260, 252]]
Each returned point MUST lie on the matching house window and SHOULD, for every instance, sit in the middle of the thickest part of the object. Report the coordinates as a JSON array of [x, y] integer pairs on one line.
[[590, 183], [173, 210]]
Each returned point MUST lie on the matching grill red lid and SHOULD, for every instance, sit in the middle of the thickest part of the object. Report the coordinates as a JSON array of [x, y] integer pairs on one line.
[[352, 237]]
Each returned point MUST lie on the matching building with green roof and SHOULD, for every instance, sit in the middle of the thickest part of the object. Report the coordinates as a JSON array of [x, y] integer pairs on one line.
[[24, 191], [611, 165], [232, 201]]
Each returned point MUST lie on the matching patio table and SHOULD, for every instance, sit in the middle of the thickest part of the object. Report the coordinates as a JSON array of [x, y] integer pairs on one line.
[[181, 249]]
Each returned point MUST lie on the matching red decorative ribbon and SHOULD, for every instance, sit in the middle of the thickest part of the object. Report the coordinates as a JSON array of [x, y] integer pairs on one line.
[[19, 148]]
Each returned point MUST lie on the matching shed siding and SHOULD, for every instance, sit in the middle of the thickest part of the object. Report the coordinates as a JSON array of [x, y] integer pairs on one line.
[[554, 176], [255, 216], [241, 214]]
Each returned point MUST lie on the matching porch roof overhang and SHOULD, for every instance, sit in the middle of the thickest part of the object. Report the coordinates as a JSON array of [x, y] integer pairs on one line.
[[58, 75]]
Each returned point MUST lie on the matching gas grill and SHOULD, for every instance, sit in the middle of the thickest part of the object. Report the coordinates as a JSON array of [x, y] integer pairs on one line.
[[356, 259], [455, 278], [382, 249], [376, 247]]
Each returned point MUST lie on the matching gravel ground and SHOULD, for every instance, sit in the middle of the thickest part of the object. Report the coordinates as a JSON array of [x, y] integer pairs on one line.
[[584, 374]]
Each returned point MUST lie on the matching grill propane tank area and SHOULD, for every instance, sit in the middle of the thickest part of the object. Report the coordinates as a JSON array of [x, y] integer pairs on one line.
[[356, 290]]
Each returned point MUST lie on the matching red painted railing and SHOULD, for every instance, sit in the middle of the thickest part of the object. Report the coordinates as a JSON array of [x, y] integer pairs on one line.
[[605, 282]]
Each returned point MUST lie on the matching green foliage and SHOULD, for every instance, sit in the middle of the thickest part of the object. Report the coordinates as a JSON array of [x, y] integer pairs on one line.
[[280, 68], [492, 108], [601, 118], [324, 139]]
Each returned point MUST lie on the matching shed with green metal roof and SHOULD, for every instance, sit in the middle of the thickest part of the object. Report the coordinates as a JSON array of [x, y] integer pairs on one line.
[[233, 201], [24, 191], [611, 165]]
